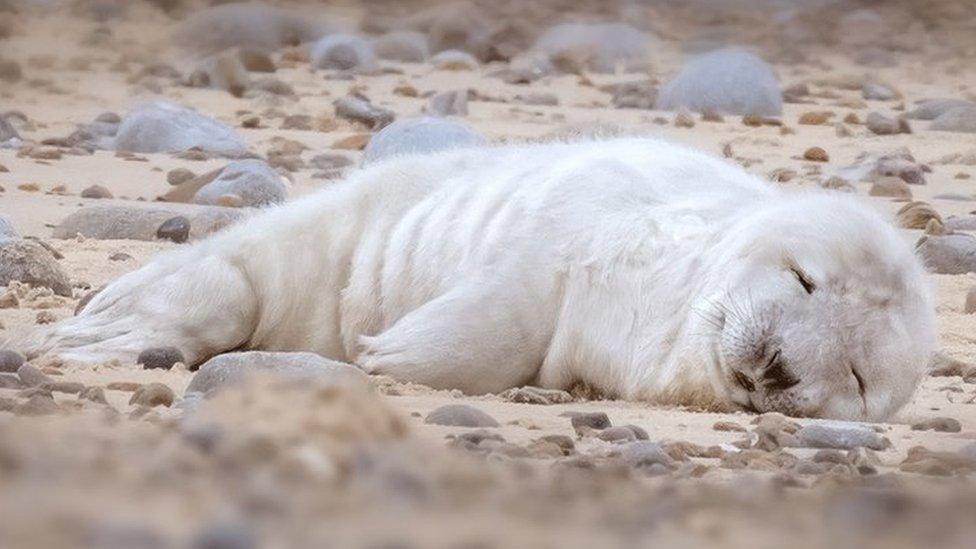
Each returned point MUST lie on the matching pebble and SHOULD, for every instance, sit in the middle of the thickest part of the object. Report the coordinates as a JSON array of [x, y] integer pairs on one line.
[[27, 261], [460, 415], [10, 381], [10, 361], [536, 395], [891, 187], [448, 103], [930, 109], [37, 405], [361, 110], [840, 435], [729, 81], [97, 192], [960, 120], [94, 394], [969, 307], [728, 426], [617, 434], [402, 46], [7, 131], [175, 229], [7, 229], [644, 453], [344, 52], [419, 135], [161, 126], [923, 461], [916, 215], [102, 222], [256, 60], [875, 91], [231, 368], [70, 387], [225, 535], [880, 124], [454, 60], [152, 395], [938, 424], [253, 180], [597, 47], [948, 254], [160, 358], [815, 118], [816, 154], [589, 420], [247, 25]]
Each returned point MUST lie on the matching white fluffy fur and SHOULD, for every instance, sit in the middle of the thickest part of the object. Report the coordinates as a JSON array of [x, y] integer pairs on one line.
[[641, 268]]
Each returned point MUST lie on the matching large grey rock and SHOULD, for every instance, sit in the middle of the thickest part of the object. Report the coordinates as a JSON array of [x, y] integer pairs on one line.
[[29, 262], [728, 81], [403, 46], [840, 435], [960, 119], [948, 254], [7, 229], [419, 136], [930, 109], [248, 25], [344, 52], [161, 126], [252, 180], [230, 368], [128, 223], [598, 47]]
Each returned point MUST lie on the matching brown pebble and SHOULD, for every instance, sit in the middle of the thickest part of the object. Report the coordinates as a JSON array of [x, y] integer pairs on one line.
[[96, 192], [815, 118], [816, 154], [939, 424], [126, 386], [728, 426], [152, 395]]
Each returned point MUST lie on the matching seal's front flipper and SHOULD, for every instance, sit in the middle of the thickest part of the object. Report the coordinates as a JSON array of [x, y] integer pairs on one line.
[[476, 338], [195, 301]]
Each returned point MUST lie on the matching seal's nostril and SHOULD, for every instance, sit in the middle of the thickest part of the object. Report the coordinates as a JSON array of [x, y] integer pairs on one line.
[[776, 377], [743, 381]]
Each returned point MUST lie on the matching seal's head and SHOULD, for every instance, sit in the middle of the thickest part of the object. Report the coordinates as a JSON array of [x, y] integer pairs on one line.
[[818, 307]]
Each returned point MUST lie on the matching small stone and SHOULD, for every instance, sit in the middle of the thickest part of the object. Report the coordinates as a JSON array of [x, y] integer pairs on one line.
[[94, 394], [617, 434], [45, 317], [880, 124], [891, 187], [225, 535], [815, 118], [879, 92], [684, 119], [152, 395], [962, 120], [969, 308], [32, 376], [448, 103], [729, 426], [916, 215], [730, 81], [454, 60], [930, 109], [590, 420], [923, 461], [816, 154], [179, 176], [840, 435], [361, 110], [344, 52], [953, 253], [252, 180], [644, 453], [30, 262], [355, 142], [536, 395], [402, 46], [232, 368], [256, 60], [460, 415], [938, 424], [37, 405], [70, 387], [10, 361], [160, 358], [176, 229], [96, 192]]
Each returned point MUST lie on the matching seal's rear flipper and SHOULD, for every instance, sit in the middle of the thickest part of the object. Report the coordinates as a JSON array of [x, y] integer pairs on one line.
[[190, 299]]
